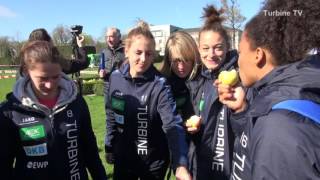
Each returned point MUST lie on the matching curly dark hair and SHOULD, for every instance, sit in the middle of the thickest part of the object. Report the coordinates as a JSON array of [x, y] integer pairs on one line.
[[213, 22], [288, 37]]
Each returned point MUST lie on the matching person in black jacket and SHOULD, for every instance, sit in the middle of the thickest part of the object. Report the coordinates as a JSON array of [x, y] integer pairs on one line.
[[45, 123], [214, 140], [69, 66], [275, 65], [143, 125], [181, 64]]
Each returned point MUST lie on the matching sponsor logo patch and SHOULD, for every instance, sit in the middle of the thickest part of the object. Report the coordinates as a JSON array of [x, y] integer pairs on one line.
[[119, 118], [37, 150], [117, 104], [32, 133], [37, 165]]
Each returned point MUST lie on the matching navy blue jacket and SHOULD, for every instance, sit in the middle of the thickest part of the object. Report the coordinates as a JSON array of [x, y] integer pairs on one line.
[[143, 120], [214, 142], [41, 143], [280, 144], [182, 96]]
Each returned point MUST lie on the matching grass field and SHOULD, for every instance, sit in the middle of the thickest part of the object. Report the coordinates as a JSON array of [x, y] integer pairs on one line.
[[5, 87], [96, 107]]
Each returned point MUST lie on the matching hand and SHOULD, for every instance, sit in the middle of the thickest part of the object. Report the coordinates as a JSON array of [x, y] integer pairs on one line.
[[232, 96], [109, 158], [182, 173], [80, 40], [102, 73], [193, 124]]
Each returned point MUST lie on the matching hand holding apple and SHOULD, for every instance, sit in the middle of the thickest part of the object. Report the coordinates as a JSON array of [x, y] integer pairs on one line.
[[229, 77], [193, 124]]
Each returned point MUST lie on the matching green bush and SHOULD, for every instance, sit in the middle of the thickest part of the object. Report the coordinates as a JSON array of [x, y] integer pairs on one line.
[[98, 88], [87, 88], [92, 86]]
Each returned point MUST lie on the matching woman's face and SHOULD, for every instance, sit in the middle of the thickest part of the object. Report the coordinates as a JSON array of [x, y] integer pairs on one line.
[[246, 62], [45, 78], [212, 48], [140, 55], [181, 68]]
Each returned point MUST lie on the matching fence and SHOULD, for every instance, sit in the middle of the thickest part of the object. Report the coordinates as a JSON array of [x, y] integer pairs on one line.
[[8, 71]]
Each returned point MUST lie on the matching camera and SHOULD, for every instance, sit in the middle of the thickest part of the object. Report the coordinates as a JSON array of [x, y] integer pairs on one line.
[[76, 29]]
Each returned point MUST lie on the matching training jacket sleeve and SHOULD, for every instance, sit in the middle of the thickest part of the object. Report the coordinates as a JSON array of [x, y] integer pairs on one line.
[[89, 142], [172, 126], [78, 64], [285, 145], [110, 125], [8, 148]]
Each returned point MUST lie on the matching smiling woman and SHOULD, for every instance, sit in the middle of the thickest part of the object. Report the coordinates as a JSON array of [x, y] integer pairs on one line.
[[142, 122]]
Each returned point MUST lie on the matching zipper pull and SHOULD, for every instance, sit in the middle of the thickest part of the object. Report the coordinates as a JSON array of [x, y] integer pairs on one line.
[[201, 104]]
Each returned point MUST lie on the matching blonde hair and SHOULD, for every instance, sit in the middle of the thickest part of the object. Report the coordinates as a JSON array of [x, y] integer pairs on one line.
[[181, 44], [143, 29]]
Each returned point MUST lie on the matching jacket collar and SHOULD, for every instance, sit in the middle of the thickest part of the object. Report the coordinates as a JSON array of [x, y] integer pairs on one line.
[[148, 75], [292, 81]]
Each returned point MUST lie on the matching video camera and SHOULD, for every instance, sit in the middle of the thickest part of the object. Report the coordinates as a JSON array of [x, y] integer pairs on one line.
[[76, 30]]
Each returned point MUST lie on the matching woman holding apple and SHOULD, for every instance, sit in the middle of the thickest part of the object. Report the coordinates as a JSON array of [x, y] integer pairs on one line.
[[275, 65], [181, 64], [209, 127]]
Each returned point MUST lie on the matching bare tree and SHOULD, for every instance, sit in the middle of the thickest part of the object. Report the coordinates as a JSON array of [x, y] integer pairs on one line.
[[9, 51], [4, 47], [61, 35], [234, 18]]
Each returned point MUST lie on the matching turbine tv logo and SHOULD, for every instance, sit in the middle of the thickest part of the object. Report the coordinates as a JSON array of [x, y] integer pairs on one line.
[[37, 165]]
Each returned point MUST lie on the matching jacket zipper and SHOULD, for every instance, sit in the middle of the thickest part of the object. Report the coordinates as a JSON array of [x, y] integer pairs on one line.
[[53, 131]]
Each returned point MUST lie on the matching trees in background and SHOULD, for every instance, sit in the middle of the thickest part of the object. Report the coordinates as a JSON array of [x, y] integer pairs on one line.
[[9, 51], [234, 18], [61, 35]]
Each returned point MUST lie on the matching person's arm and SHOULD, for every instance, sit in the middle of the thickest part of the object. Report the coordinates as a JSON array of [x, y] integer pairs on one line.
[[8, 147], [89, 143], [284, 145], [110, 127], [173, 128], [81, 63]]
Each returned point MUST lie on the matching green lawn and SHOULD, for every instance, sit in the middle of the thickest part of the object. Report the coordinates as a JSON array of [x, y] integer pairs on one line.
[[6, 87]]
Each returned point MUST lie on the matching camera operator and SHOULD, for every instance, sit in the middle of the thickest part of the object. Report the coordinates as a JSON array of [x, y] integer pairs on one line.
[[69, 65]]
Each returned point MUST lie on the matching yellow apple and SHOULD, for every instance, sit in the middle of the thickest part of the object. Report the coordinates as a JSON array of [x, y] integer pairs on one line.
[[193, 121], [229, 77]]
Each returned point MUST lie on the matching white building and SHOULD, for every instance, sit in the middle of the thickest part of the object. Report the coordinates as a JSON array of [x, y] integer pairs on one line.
[[161, 34]]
